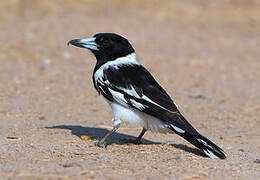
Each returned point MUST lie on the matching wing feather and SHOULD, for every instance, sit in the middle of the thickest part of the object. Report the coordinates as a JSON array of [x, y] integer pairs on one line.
[[134, 86]]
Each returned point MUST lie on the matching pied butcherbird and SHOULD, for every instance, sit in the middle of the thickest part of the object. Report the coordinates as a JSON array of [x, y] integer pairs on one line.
[[134, 95]]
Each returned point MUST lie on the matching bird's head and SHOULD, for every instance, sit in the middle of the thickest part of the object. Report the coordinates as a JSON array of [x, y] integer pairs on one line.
[[105, 46]]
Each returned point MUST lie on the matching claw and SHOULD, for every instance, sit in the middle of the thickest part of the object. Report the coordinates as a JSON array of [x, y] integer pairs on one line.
[[101, 144]]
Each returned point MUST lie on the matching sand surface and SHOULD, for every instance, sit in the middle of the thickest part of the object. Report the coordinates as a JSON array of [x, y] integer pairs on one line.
[[205, 54]]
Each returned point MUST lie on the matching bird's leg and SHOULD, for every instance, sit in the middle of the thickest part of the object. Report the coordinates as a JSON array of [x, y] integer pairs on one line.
[[138, 139], [102, 142]]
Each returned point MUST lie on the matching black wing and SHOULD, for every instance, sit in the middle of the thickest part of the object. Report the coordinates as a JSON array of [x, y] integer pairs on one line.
[[132, 85]]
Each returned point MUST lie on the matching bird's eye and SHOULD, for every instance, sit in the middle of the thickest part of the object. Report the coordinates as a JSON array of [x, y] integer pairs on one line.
[[105, 42]]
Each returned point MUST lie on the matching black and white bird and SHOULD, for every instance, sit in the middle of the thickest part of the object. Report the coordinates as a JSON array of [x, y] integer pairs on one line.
[[134, 95]]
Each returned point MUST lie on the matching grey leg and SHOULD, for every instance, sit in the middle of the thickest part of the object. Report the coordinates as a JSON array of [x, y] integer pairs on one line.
[[102, 142], [138, 139]]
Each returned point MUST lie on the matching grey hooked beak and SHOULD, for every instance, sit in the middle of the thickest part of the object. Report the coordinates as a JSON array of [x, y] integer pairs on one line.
[[88, 43]]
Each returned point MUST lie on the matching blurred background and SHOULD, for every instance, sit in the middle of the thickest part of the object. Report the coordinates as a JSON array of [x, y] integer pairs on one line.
[[220, 37], [205, 53]]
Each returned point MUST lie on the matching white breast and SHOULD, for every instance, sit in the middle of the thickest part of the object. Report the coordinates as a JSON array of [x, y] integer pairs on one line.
[[139, 119]]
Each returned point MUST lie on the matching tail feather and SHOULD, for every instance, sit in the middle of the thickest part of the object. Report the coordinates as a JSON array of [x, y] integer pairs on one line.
[[204, 144], [209, 148]]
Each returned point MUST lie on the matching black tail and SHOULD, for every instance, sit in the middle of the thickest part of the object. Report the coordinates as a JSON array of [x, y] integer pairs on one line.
[[204, 144]]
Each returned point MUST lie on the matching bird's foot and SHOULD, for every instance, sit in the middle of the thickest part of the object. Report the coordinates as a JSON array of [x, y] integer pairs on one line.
[[101, 144]]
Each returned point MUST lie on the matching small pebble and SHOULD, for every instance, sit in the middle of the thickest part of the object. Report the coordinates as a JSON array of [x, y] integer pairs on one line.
[[42, 118], [66, 55], [257, 161], [29, 35], [67, 165], [47, 61]]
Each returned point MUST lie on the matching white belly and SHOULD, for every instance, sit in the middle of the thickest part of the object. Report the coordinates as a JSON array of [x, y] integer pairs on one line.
[[139, 119]]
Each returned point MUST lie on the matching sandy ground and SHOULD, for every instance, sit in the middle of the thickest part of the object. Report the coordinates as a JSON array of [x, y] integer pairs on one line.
[[205, 54]]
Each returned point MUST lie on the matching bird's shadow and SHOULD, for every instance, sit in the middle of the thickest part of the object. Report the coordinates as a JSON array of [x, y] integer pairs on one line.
[[189, 149], [98, 133], [117, 138]]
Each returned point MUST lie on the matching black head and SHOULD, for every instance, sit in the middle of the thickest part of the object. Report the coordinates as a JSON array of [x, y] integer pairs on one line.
[[105, 46]]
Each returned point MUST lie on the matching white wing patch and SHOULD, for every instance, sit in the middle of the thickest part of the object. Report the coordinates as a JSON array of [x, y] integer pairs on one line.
[[133, 93], [118, 97], [147, 99], [137, 104], [177, 129], [102, 89], [130, 91]]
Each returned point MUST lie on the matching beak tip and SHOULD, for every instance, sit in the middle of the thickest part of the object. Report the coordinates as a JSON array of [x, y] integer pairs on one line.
[[84, 43], [69, 43]]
